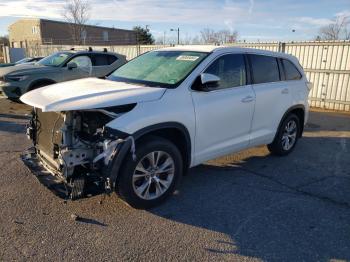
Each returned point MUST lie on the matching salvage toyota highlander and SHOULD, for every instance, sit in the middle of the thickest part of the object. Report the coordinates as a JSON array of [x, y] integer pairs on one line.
[[137, 132]]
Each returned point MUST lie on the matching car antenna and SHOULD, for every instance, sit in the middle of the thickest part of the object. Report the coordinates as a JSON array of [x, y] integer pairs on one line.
[[90, 49], [105, 50]]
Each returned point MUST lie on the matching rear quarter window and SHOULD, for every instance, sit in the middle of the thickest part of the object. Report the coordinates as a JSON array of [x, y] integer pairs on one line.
[[290, 70], [112, 59], [264, 69]]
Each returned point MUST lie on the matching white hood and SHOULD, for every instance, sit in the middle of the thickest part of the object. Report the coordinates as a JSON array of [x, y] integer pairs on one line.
[[89, 93]]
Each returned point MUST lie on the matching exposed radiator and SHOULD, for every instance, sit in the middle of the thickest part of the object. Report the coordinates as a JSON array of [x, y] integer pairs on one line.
[[48, 132]]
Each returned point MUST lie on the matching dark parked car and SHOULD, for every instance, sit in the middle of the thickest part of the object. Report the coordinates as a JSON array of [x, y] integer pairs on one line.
[[58, 67], [26, 60]]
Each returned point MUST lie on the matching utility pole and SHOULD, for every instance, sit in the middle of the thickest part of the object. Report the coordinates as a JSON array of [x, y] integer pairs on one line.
[[178, 34]]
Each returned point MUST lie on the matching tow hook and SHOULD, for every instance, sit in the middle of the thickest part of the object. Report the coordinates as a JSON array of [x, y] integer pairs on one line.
[[108, 186]]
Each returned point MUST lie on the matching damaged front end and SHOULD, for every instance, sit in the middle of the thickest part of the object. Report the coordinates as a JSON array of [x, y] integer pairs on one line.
[[76, 149]]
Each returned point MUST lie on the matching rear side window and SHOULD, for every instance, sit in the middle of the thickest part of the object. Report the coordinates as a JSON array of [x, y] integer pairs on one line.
[[291, 72], [111, 59], [102, 59], [230, 69], [265, 69]]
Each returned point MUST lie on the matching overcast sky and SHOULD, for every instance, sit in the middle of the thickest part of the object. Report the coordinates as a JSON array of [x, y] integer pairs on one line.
[[253, 19]]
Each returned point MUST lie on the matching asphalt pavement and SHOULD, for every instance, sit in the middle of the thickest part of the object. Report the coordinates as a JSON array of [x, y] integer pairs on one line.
[[248, 206]]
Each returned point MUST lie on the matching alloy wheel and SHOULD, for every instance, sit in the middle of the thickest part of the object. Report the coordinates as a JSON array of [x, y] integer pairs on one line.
[[289, 135], [153, 175]]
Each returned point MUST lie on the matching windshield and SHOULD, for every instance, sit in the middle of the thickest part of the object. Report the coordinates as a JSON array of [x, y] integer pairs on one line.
[[55, 59], [159, 68], [24, 60]]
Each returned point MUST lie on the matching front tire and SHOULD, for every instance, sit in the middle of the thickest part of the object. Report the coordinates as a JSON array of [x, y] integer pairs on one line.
[[286, 137], [39, 85], [154, 175]]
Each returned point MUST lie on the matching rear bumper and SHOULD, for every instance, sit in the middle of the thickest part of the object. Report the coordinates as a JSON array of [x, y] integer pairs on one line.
[[307, 113]]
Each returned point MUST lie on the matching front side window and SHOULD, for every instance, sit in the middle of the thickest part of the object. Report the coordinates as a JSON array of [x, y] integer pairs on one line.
[[83, 62], [230, 69], [55, 59], [291, 72], [159, 68], [265, 69]]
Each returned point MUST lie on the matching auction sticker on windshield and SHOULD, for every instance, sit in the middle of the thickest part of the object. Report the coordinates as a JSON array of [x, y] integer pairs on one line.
[[187, 58]]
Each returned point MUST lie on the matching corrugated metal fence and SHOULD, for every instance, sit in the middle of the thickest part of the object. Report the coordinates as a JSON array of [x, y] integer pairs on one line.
[[130, 51], [327, 66]]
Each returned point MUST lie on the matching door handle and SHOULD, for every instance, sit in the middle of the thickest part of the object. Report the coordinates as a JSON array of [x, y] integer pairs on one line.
[[285, 91], [247, 99]]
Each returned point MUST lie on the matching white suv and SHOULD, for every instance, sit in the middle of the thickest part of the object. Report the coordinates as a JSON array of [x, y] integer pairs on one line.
[[165, 111]]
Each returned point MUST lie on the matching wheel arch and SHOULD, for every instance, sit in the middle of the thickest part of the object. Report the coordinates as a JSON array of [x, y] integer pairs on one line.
[[298, 110], [162, 129], [174, 132], [40, 81]]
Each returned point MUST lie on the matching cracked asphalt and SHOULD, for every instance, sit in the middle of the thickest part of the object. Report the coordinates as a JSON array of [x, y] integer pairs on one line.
[[248, 206]]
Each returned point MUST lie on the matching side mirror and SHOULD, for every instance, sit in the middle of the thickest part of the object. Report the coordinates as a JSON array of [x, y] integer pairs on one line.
[[72, 65], [209, 79]]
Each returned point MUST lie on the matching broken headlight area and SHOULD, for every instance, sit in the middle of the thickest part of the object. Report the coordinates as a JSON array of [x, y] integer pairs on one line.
[[76, 148]]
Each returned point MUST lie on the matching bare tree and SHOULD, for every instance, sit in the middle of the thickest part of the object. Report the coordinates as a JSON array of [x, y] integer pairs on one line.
[[196, 40], [4, 40], [338, 29], [77, 14], [208, 36], [226, 36], [211, 36], [186, 39]]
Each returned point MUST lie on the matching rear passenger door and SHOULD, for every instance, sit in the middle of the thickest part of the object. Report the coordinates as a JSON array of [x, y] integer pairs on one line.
[[102, 64], [272, 97]]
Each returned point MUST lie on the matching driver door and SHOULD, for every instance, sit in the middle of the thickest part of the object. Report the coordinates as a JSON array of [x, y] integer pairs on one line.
[[83, 69], [224, 111]]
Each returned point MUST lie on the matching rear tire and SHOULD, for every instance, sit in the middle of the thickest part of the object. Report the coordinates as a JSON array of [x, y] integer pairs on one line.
[[286, 137], [154, 175]]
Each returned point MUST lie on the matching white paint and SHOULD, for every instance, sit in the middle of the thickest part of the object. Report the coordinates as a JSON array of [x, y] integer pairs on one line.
[[218, 122], [89, 93]]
